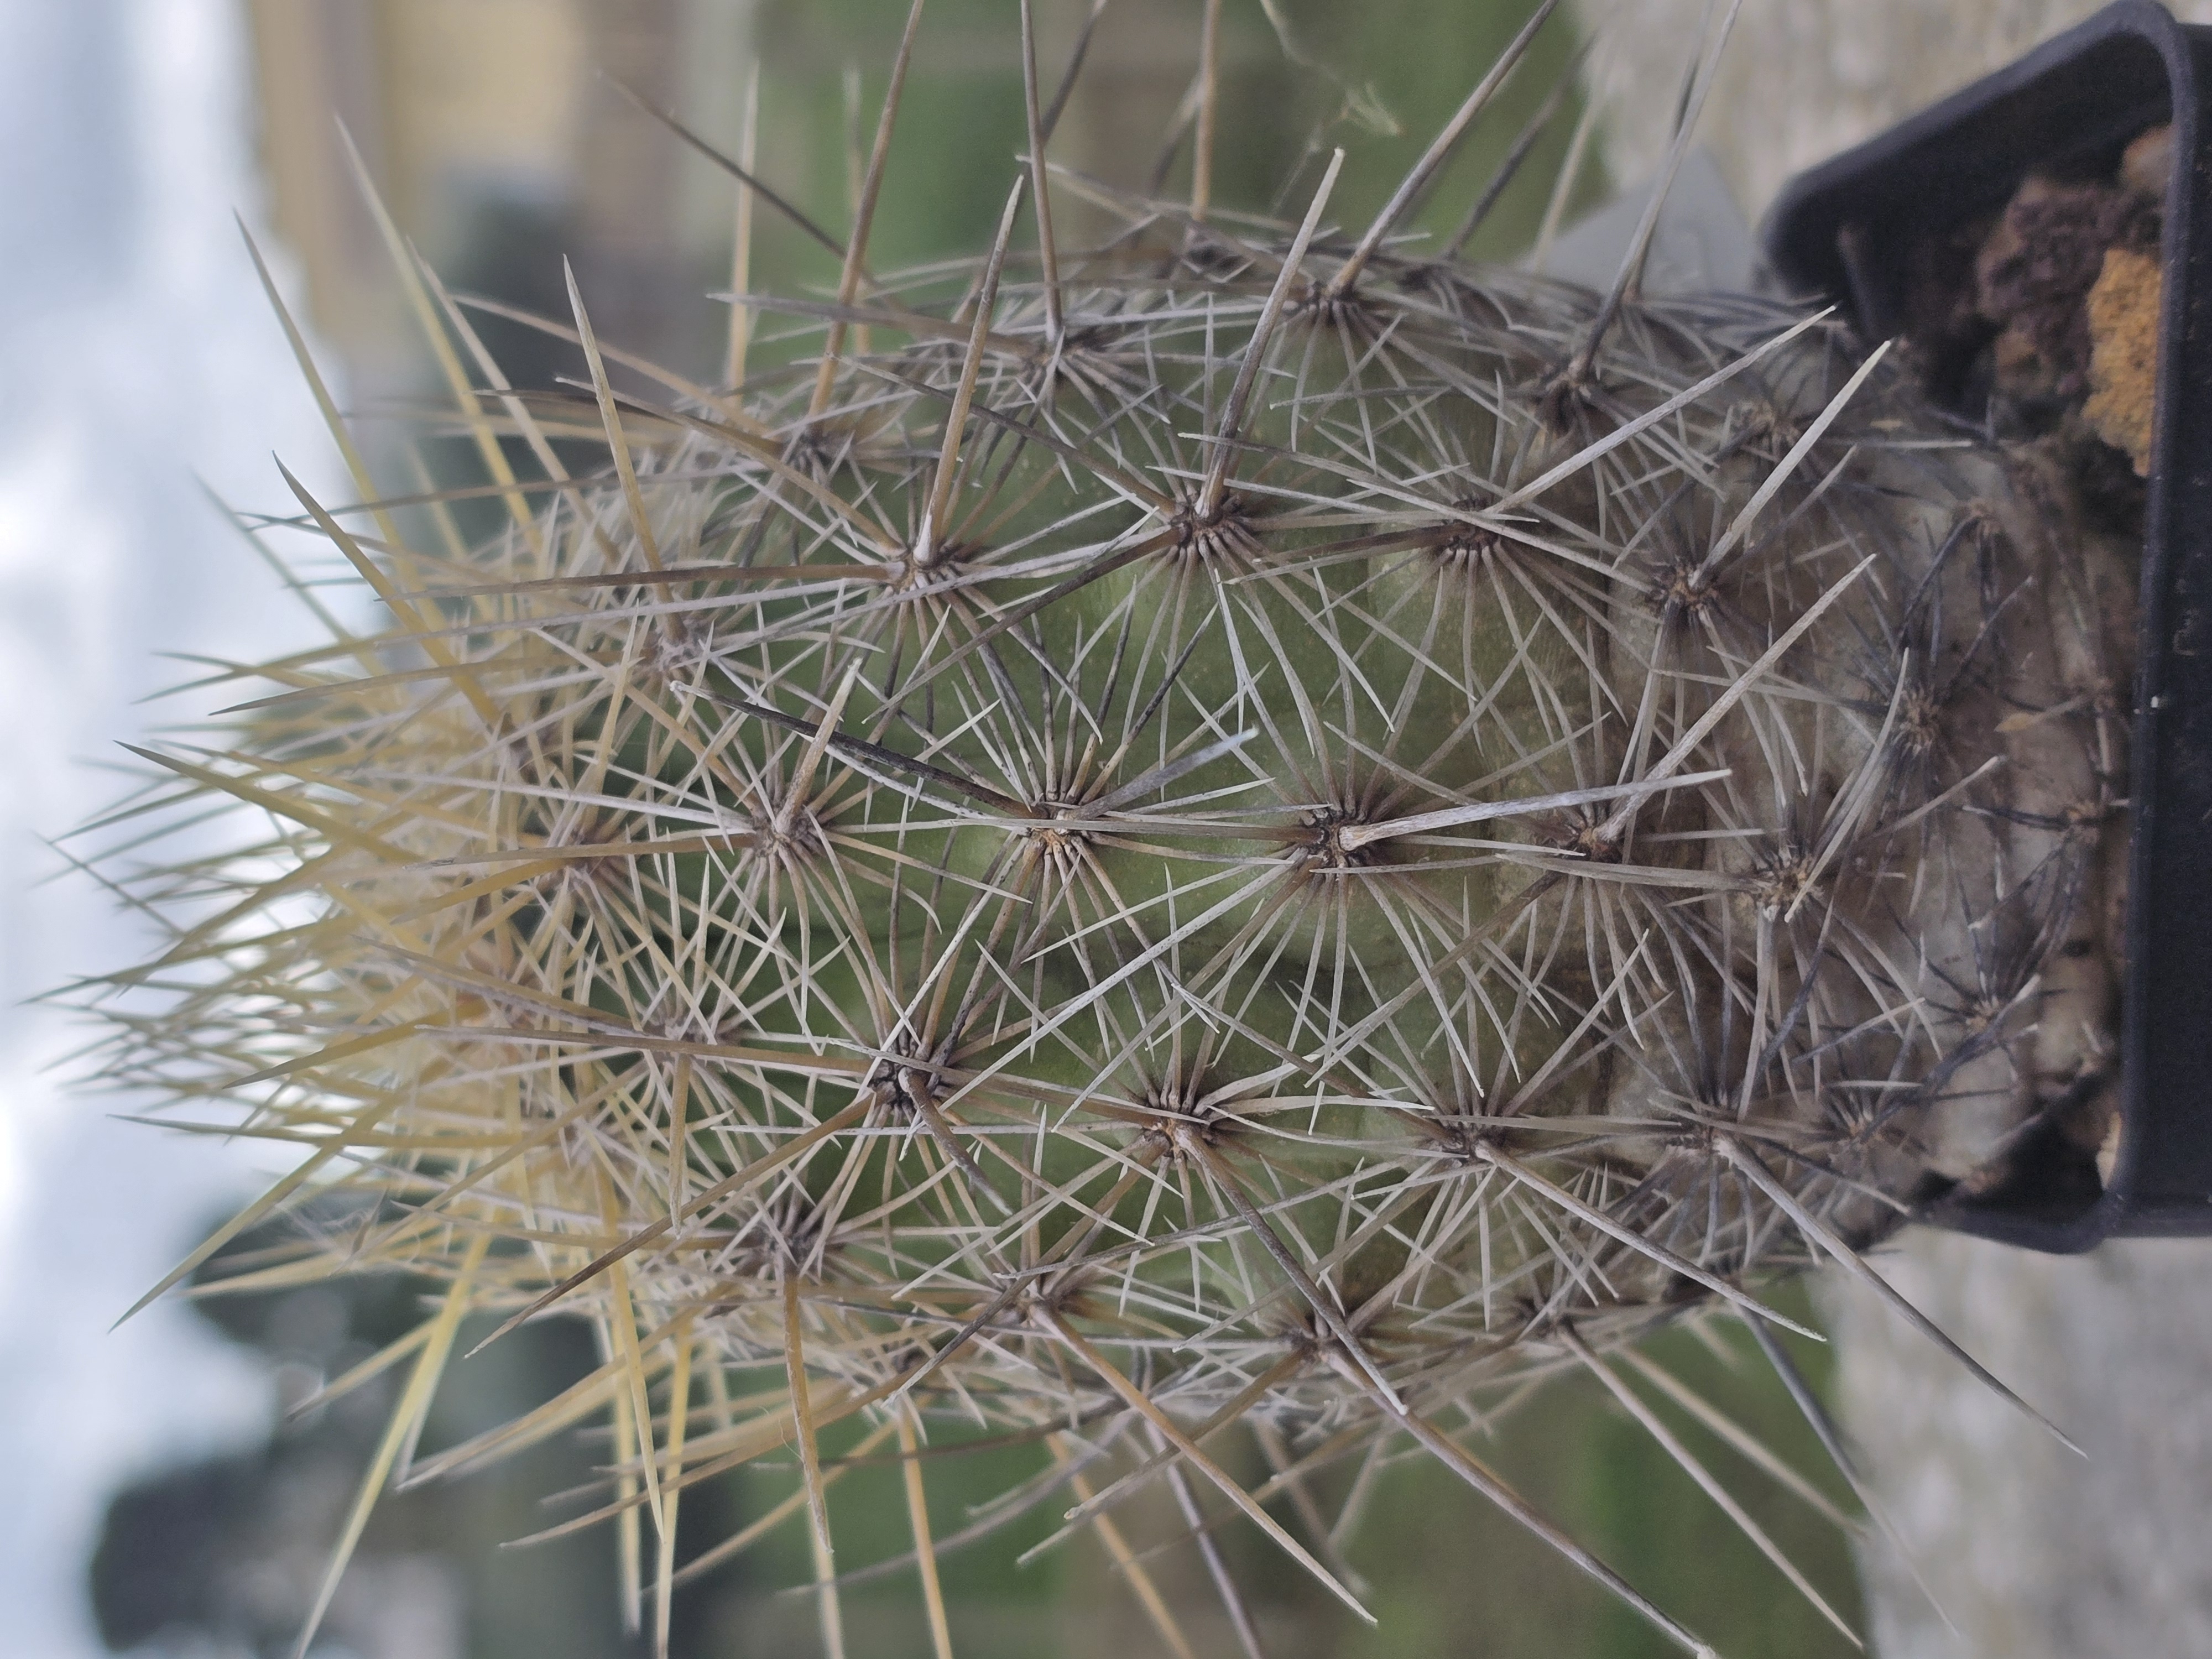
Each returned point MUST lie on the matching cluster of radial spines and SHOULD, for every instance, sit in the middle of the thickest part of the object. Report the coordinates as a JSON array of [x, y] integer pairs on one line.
[[1202, 838]]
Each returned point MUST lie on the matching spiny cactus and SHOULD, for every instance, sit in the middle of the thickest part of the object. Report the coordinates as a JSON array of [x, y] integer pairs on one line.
[[1246, 829]]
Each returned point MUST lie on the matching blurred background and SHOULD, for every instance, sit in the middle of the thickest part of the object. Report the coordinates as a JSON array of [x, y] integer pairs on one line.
[[165, 1499]]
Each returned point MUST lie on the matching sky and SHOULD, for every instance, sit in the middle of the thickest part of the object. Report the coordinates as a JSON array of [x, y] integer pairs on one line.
[[139, 359]]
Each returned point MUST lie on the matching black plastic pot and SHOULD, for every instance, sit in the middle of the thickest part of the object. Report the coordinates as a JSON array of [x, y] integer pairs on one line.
[[1847, 230]]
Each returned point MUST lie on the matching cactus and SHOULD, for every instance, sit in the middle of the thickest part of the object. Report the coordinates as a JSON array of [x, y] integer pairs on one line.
[[1253, 831]]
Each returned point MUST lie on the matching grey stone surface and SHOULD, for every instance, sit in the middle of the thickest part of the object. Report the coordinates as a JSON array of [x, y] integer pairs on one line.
[[1802, 79], [2031, 1550]]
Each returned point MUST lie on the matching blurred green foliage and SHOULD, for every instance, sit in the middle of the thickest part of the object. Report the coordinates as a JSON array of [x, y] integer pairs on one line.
[[1379, 79]]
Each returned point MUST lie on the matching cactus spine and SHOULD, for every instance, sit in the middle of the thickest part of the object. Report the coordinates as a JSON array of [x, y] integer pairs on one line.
[[1244, 827]]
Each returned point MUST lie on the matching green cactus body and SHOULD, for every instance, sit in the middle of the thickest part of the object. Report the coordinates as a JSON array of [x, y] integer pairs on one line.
[[1240, 830]]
